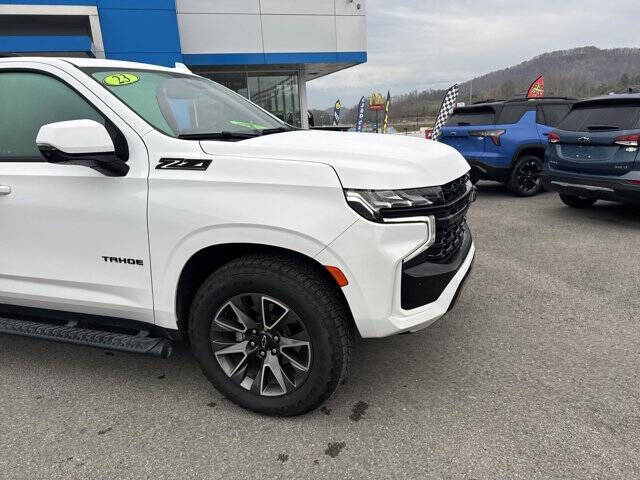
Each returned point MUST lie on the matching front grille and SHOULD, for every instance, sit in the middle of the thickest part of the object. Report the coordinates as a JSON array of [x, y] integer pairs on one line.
[[451, 223], [448, 242], [455, 189]]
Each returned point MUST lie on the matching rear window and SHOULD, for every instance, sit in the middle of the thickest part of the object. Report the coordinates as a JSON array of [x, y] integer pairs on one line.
[[513, 113], [554, 114], [463, 117], [602, 116]]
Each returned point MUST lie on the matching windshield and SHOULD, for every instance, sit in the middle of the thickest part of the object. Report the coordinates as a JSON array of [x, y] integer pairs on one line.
[[182, 105]]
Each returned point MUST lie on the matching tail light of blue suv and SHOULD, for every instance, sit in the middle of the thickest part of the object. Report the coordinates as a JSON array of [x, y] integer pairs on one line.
[[494, 135]]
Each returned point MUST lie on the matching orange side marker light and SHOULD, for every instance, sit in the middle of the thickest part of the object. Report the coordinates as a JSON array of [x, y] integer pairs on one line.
[[338, 276]]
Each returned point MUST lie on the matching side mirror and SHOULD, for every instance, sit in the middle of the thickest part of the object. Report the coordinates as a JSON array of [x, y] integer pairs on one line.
[[81, 142]]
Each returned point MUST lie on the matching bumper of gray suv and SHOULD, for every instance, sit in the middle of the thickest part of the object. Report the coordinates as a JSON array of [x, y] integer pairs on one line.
[[616, 189]]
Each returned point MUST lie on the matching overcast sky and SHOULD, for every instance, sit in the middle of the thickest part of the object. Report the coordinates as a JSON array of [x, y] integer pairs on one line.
[[420, 44]]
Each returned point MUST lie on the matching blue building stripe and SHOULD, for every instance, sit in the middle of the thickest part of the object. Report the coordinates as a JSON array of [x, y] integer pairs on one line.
[[223, 58], [351, 57], [310, 57], [197, 59], [44, 43]]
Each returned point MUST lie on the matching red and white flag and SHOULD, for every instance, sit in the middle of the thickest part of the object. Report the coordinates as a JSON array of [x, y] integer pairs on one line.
[[536, 90]]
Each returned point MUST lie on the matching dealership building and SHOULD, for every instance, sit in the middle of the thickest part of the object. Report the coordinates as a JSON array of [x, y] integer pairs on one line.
[[265, 50]]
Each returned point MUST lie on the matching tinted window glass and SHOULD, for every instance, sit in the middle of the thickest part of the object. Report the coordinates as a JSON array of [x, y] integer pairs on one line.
[[554, 114], [513, 113], [472, 116], [602, 116], [30, 100]]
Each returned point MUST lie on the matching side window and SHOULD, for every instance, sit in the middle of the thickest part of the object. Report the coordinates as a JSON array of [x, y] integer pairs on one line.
[[554, 114], [540, 116], [512, 114], [30, 100]]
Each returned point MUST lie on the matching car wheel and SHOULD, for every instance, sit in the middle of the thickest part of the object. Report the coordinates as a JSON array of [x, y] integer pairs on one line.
[[525, 179], [474, 176], [272, 333], [577, 202]]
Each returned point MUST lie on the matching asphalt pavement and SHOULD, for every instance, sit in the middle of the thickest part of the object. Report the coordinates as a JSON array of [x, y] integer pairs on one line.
[[534, 375]]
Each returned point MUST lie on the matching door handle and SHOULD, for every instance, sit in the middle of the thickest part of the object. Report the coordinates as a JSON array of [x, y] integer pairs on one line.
[[5, 190]]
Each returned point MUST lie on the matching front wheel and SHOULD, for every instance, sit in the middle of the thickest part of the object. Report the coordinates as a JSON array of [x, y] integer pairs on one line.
[[525, 179], [577, 202], [271, 333]]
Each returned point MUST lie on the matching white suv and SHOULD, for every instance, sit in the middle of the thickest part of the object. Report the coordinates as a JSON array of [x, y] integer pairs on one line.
[[142, 205]]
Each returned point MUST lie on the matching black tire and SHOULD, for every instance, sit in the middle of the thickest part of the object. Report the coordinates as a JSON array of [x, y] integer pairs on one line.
[[525, 179], [577, 202], [474, 176], [315, 300]]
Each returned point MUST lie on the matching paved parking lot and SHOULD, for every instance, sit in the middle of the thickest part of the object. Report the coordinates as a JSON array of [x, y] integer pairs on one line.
[[533, 375]]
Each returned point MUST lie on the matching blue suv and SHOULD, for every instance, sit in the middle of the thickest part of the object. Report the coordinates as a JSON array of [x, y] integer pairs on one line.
[[505, 141], [593, 154]]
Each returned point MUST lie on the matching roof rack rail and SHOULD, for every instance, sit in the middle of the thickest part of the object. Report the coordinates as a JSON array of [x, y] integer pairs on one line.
[[488, 100], [631, 89], [521, 99]]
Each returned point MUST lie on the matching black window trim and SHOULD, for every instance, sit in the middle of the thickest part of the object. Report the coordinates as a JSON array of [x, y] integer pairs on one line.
[[118, 138]]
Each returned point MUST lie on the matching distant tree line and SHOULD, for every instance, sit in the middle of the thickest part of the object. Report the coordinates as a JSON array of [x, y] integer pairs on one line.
[[581, 73]]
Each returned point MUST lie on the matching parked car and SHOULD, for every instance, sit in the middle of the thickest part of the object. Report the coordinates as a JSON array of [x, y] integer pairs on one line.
[[593, 154], [142, 205], [505, 140]]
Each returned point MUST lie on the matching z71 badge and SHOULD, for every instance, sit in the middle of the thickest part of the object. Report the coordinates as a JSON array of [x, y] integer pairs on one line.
[[182, 164]]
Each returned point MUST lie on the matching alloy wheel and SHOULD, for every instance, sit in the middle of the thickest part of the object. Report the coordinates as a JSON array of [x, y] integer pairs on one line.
[[261, 344], [529, 176]]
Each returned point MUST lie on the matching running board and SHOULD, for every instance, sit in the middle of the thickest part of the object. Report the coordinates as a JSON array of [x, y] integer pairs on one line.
[[72, 333]]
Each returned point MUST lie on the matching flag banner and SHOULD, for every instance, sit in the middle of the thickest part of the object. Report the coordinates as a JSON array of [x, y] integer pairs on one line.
[[446, 109], [387, 104], [376, 102], [536, 90], [360, 120], [336, 113]]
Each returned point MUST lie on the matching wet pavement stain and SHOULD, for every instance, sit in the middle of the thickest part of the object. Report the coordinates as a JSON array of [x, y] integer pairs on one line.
[[359, 409], [334, 449], [326, 411], [161, 377], [283, 457], [212, 404]]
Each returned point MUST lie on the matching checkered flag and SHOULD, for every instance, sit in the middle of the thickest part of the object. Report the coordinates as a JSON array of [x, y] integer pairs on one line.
[[448, 104]]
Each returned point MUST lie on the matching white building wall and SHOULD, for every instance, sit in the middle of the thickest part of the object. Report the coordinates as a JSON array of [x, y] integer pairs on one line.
[[271, 26]]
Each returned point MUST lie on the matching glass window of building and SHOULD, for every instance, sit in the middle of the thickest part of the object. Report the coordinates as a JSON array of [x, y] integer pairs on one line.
[[278, 93]]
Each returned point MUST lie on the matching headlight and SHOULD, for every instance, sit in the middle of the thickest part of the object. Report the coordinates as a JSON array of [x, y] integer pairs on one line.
[[375, 205]]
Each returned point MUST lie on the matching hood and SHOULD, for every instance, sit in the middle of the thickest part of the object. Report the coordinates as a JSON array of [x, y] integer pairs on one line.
[[361, 160]]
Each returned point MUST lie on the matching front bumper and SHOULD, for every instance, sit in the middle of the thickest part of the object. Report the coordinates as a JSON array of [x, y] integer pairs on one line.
[[372, 257], [616, 189], [488, 171]]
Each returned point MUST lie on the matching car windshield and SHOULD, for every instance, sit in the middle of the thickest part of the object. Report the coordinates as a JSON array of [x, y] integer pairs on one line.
[[184, 106]]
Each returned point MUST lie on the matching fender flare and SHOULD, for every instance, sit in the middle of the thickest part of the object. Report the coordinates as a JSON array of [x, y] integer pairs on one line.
[[525, 146], [166, 281]]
